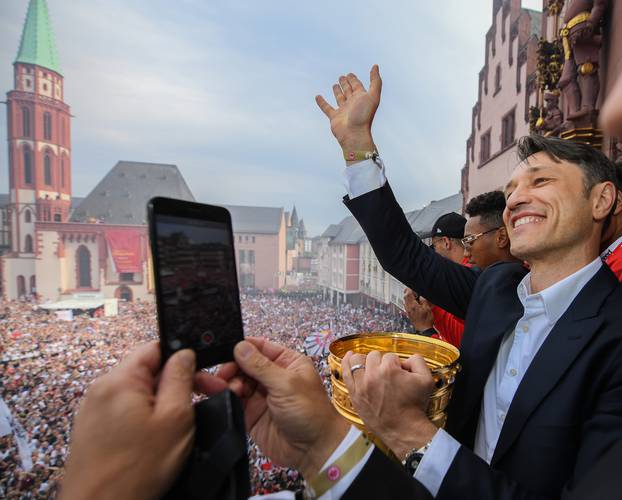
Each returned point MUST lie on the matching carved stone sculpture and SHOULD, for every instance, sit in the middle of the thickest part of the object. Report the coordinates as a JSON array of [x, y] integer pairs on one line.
[[581, 40], [551, 123]]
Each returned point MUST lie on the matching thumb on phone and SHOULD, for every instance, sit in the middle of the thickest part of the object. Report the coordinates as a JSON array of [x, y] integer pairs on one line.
[[175, 387], [257, 366]]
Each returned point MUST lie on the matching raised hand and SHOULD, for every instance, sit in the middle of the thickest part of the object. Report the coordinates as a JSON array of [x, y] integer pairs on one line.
[[351, 121], [419, 311]]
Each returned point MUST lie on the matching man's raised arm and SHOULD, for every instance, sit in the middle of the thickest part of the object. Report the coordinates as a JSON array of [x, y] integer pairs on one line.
[[398, 249]]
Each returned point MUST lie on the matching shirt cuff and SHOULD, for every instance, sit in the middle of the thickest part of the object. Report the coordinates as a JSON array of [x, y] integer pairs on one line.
[[436, 461], [344, 483], [363, 177]]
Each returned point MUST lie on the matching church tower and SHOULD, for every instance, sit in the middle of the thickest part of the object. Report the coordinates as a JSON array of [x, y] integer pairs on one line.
[[39, 146], [39, 138]]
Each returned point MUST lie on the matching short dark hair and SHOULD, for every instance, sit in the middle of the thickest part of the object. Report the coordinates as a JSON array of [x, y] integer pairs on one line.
[[489, 207], [595, 165]]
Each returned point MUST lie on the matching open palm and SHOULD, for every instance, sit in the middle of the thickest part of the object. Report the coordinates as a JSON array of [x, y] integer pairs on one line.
[[351, 121]]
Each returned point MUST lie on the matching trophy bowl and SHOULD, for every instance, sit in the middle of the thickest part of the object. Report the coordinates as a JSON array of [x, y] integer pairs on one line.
[[441, 358]]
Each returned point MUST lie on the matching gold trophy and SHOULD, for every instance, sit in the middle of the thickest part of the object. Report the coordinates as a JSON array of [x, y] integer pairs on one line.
[[441, 358]]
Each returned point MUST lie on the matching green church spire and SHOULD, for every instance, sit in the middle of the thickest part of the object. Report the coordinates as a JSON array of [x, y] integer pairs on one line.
[[37, 45]]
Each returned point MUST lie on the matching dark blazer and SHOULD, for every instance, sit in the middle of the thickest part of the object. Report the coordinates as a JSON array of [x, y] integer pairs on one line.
[[567, 410]]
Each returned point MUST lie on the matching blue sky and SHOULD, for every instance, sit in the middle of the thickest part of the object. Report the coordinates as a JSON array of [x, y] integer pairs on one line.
[[225, 90]]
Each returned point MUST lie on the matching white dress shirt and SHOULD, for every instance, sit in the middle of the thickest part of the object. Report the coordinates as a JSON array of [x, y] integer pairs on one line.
[[518, 349]]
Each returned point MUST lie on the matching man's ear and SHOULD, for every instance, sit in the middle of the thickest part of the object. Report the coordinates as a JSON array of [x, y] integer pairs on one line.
[[447, 242], [502, 238], [618, 208], [605, 195]]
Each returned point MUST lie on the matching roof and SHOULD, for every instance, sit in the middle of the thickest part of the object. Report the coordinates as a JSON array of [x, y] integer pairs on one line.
[[426, 217], [536, 21], [331, 231], [259, 220], [348, 232], [121, 196], [37, 45]]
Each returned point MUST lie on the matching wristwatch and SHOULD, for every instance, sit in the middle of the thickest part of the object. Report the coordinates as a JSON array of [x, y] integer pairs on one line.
[[414, 457]]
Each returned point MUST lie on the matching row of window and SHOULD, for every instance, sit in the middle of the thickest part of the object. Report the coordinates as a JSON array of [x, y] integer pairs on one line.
[[47, 125], [46, 215], [247, 239], [508, 132], [47, 169]]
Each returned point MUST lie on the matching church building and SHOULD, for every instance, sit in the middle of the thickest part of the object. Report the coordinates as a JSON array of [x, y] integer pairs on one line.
[[54, 246]]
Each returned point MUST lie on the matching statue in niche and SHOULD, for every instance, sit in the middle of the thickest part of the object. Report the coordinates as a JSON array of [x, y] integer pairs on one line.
[[551, 123], [581, 40]]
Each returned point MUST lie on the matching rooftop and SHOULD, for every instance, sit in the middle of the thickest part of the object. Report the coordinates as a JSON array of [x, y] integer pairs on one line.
[[121, 196], [258, 220], [37, 45]]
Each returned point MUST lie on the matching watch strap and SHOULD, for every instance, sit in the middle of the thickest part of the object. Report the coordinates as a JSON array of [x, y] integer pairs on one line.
[[327, 478]]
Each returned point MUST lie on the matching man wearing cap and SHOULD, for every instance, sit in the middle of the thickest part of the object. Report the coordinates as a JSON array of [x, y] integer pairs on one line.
[[446, 234]]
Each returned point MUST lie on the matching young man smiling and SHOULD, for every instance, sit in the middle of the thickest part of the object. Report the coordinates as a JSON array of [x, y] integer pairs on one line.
[[539, 396]]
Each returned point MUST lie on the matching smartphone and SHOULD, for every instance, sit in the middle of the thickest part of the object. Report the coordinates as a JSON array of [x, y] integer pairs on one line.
[[196, 283]]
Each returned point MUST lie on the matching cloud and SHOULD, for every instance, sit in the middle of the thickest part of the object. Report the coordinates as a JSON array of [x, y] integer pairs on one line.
[[225, 91]]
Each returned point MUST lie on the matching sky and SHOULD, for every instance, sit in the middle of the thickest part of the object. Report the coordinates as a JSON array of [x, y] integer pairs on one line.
[[224, 89]]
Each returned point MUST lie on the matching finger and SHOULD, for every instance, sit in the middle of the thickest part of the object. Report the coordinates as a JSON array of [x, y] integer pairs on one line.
[[340, 98], [355, 83], [358, 375], [227, 371], [375, 83], [326, 108], [372, 363], [242, 385], [390, 359], [207, 384], [345, 86], [146, 356], [346, 372], [257, 366], [416, 364], [176, 382]]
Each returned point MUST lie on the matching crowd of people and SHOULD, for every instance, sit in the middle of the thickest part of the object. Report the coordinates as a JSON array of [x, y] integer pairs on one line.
[[47, 364]]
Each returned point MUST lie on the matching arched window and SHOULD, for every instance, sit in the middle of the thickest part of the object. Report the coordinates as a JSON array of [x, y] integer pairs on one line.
[[28, 244], [83, 259], [47, 169], [47, 126], [25, 122], [21, 286], [27, 165], [27, 216], [124, 293], [62, 172]]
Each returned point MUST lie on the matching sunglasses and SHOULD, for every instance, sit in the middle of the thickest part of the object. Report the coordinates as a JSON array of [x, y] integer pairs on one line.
[[467, 241]]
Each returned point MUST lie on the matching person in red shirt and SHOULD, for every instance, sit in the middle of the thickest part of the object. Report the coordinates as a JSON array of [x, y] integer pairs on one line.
[[485, 242], [611, 247], [447, 233]]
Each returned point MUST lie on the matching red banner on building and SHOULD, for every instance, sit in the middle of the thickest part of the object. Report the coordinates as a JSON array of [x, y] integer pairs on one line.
[[125, 248]]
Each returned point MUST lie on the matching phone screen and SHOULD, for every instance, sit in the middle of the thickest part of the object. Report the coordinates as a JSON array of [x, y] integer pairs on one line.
[[199, 301]]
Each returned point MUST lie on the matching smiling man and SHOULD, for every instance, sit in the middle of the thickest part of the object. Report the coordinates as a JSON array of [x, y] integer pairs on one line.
[[539, 398]]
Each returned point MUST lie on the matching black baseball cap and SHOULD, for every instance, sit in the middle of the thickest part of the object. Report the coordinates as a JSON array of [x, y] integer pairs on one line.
[[450, 225]]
